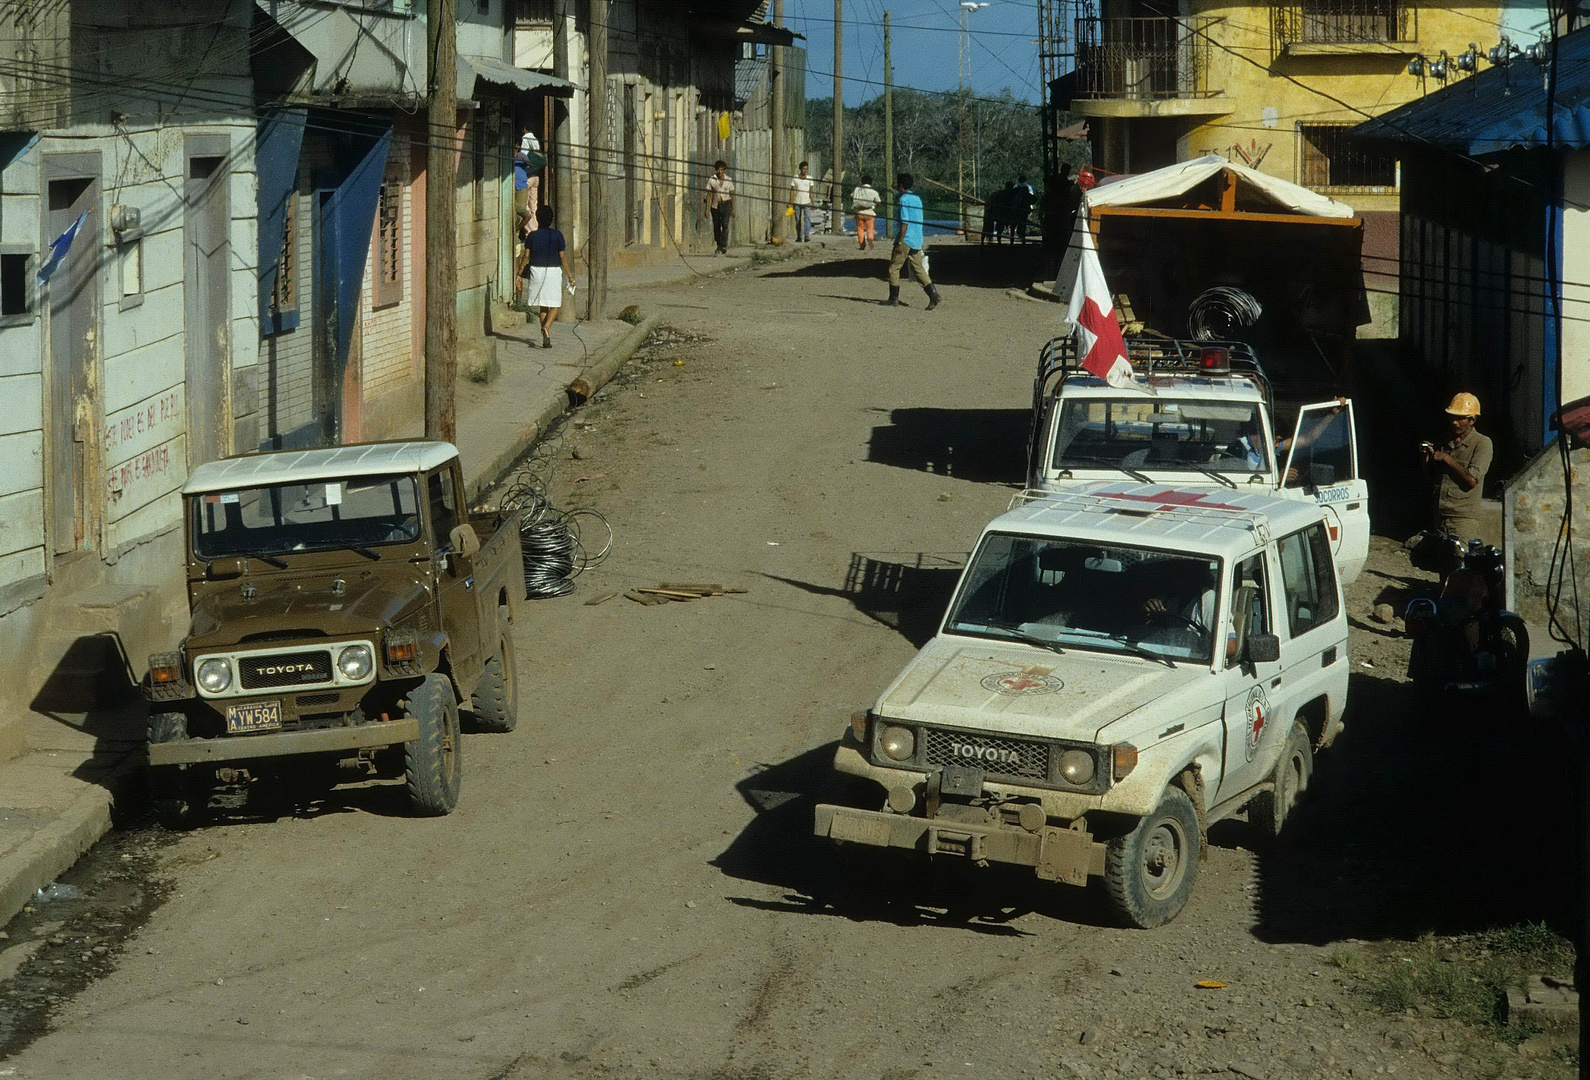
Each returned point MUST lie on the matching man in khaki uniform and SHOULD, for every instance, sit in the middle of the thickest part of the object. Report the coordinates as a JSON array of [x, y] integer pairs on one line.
[[1458, 470]]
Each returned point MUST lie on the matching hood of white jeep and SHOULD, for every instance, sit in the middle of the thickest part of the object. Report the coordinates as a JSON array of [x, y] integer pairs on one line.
[[1022, 690]]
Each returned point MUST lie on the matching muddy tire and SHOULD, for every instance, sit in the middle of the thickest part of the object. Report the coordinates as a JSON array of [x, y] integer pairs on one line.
[[1149, 872], [1269, 811], [496, 699], [433, 764]]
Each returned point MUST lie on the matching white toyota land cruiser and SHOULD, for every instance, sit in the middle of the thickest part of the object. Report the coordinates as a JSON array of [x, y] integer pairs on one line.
[[1198, 414], [1121, 666]]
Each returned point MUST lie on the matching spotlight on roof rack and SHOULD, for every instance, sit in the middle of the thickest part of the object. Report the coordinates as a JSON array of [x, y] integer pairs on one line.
[[1214, 358]]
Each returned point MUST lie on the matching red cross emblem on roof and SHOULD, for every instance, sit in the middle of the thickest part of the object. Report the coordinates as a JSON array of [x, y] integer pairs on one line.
[[1169, 499]]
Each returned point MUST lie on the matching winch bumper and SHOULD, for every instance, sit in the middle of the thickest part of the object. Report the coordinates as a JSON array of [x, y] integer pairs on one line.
[[284, 743], [1065, 855]]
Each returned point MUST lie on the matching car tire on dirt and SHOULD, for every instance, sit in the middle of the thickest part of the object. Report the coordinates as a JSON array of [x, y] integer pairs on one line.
[[496, 699], [433, 764], [1149, 872], [179, 794], [1270, 810]]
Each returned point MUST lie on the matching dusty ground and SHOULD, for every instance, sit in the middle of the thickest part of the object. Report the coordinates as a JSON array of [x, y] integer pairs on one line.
[[628, 888]]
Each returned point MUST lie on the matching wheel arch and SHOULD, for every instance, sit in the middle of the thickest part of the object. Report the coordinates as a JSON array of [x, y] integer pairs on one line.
[[1314, 715]]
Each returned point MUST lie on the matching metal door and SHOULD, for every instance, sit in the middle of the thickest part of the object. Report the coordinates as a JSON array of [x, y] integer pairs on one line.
[[72, 189], [1323, 462], [206, 253]]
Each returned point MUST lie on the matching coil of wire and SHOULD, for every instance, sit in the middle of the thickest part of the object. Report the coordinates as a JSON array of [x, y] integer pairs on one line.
[[1215, 312]]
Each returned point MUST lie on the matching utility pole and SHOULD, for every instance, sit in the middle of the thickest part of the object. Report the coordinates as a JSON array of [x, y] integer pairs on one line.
[[599, 154], [963, 64], [563, 160], [888, 130], [441, 251], [835, 221], [776, 165]]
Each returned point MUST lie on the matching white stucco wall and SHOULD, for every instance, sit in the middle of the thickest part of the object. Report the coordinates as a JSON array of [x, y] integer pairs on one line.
[[1576, 275]]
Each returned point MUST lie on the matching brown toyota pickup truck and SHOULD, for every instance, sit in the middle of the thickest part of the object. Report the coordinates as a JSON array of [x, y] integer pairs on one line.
[[344, 603]]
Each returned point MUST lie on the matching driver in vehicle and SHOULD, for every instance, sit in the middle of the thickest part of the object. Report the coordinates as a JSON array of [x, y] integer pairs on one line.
[[1184, 598]]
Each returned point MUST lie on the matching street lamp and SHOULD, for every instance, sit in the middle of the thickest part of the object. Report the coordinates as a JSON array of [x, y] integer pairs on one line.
[[963, 65]]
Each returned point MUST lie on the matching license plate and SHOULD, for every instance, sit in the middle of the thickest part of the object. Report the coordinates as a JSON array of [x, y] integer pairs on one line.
[[253, 716]]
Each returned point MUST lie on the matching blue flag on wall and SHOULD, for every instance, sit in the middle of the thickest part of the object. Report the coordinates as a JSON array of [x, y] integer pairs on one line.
[[58, 249]]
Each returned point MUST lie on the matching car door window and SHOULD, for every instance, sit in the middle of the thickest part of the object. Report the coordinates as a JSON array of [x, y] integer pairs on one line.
[[1250, 607], [444, 507], [1322, 447], [1308, 577]]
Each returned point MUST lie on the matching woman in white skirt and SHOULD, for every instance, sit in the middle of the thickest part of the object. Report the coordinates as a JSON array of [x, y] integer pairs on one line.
[[543, 272]]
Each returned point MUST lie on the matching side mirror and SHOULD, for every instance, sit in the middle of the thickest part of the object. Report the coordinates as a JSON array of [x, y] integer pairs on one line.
[[464, 540], [1263, 648]]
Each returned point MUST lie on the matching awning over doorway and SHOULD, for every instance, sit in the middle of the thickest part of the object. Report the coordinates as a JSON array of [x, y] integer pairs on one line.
[[473, 69]]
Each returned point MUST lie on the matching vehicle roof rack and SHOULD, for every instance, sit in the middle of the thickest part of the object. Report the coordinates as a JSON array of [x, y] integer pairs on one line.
[[1113, 503], [1150, 355]]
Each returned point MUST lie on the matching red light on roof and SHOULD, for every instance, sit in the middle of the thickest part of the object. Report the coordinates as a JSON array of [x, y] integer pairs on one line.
[[1214, 358]]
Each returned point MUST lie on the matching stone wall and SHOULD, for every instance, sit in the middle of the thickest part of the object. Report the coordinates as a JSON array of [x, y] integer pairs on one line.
[[1533, 506]]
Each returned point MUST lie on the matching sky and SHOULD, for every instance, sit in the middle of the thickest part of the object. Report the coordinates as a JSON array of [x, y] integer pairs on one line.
[[1002, 54]]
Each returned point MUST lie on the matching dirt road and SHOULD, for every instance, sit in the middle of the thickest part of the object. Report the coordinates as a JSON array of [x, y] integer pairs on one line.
[[628, 888]]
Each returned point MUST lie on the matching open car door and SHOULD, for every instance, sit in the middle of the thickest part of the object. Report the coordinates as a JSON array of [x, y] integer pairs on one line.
[[1322, 462]]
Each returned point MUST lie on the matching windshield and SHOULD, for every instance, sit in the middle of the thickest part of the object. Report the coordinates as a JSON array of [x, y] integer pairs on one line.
[[1063, 593], [362, 512], [1164, 436]]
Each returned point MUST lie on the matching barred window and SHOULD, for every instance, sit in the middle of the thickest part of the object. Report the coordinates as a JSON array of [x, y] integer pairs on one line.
[[284, 295], [1334, 159], [389, 245], [533, 11]]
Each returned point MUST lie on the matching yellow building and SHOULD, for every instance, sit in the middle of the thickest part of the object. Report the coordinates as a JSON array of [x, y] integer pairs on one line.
[[1277, 87]]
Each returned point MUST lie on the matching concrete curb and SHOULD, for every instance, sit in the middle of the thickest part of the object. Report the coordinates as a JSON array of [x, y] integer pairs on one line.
[[609, 358], [53, 849]]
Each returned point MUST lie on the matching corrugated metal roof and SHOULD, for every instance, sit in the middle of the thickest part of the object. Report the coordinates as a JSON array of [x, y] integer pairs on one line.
[[1500, 108], [307, 466]]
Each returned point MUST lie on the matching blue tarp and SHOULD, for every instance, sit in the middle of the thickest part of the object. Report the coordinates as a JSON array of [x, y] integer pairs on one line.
[[1500, 108], [347, 223], [276, 150]]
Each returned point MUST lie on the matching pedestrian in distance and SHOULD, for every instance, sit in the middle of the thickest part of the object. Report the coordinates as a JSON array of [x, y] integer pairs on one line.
[[545, 271], [720, 204], [864, 202], [1457, 470], [1023, 198], [908, 245], [800, 200]]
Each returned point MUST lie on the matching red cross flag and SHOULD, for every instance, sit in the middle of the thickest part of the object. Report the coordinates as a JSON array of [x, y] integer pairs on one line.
[[1093, 315]]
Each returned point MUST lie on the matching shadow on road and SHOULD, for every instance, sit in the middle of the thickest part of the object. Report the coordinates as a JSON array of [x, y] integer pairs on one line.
[[907, 591], [981, 445], [1412, 827], [869, 885]]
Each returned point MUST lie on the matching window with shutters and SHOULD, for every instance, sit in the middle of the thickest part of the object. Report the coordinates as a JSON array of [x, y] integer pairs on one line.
[[1332, 158], [389, 245]]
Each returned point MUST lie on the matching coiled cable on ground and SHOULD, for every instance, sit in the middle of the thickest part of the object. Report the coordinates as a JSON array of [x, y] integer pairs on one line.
[[551, 539], [1215, 312]]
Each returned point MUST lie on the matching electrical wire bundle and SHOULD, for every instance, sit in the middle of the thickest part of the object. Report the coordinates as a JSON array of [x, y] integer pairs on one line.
[[550, 539], [1214, 312]]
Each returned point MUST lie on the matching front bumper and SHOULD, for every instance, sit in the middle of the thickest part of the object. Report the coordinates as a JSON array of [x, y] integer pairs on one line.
[[1066, 855], [284, 743]]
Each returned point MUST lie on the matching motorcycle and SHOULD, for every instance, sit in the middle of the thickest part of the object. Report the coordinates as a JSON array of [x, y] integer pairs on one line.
[[1468, 650]]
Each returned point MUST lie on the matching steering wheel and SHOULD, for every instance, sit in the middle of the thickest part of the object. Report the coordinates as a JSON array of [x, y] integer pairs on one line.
[[1175, 617]]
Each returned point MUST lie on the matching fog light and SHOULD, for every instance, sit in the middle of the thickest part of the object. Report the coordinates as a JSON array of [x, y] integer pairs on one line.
[[1076, 767], [1032, 817], [354, 662], [898, 742], [214, 675], [901, 799]]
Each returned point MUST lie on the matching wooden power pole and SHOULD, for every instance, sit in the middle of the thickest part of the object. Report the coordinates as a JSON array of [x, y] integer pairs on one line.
[[441, 251], [599, 157], [776, 180], [835, 220], [562, 158], [888, 131]]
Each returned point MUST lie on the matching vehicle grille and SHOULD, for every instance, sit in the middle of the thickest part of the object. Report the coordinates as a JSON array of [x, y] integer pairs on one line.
[[290, 669], [1007, 757], [318, 699]]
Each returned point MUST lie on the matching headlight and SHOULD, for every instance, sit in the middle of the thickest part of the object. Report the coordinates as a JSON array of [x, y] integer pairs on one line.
[[898, 742], [1076, 767], [354, 662], [214, 675]]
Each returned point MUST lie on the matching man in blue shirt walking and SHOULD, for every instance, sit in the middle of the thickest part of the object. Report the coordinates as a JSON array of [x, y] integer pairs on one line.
[[908, 245]]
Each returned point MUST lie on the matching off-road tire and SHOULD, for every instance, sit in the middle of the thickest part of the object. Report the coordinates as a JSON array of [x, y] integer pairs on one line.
[[1269, 810], [495, 702], [179, 794], [1149, 872], [433, 764]]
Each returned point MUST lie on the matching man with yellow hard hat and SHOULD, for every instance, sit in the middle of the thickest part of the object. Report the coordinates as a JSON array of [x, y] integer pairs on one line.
[[1458, 470]]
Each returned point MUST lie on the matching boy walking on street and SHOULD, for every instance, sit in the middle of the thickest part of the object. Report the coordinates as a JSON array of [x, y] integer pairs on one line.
[[800, 197], [908, 245], [864, 203], [720, 204]]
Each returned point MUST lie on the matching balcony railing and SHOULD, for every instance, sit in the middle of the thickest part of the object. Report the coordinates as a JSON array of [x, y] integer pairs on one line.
[[1344, 22], [1153, 59]]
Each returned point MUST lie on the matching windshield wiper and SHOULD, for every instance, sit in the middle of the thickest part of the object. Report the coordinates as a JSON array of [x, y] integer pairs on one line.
[[1137, 650], [1141, 478], [1025, 639], [1222, 477], [280, 564], [357, 550]]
